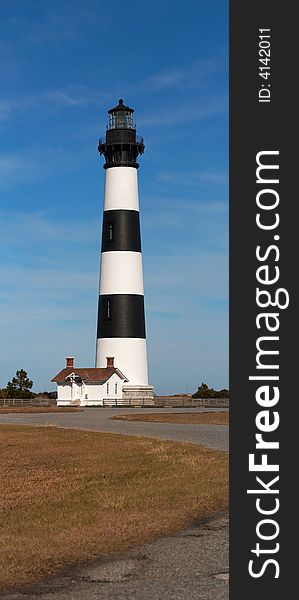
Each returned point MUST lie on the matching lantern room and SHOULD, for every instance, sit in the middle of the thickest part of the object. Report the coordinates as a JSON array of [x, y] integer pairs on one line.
[[121, 117], [121, 145]]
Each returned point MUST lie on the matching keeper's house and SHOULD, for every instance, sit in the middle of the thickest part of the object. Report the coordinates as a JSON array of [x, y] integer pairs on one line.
[[89, 387]]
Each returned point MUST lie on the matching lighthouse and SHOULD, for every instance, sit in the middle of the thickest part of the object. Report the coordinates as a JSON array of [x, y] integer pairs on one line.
[[121, 332]]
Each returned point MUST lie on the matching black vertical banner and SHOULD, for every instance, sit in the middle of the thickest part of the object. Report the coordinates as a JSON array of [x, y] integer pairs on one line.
[[264, 357]]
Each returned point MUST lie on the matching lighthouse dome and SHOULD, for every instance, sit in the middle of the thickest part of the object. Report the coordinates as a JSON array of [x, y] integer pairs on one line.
[[121, 145]]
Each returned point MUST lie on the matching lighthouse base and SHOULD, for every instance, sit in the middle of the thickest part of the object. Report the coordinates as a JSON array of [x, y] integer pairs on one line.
[[138, 395]]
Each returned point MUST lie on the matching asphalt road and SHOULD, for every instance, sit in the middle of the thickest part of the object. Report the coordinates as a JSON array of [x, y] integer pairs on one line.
[[189, 565], [98, 419]]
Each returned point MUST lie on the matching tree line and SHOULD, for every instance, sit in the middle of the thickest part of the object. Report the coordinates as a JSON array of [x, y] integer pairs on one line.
[[205, 392], [20, 387]]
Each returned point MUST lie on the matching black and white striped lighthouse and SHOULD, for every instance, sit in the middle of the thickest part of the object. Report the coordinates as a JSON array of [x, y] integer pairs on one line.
[[121, 318]]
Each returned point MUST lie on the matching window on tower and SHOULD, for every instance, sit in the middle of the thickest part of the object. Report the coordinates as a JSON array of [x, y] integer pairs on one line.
[[110, 231], [112, 118], [121, 120], [108, 308]]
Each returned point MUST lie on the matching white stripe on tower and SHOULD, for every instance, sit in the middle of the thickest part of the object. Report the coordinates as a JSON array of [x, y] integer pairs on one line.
[[121, 189], [121, 273], [121, 320]]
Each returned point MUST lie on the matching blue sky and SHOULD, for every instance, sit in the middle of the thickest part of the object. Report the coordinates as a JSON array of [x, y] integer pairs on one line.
[[62, 66]]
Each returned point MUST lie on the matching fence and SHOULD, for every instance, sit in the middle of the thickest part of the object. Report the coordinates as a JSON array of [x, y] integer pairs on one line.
[[167, 402], [189, 402], [129, 402], [37, 401], [157, 401]]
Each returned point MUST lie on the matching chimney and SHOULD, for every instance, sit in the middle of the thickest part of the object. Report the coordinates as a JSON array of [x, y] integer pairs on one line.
[[110, 362], [69, 361]]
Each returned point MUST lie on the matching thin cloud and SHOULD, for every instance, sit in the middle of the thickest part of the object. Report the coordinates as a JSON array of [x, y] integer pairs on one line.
[[50, 99], [63, 98], [31, 228], [194, 75], [45, 284], [170, 226], [194, 178], [34, 165], [187, 76], [5, 110], [172, 211], [16, 167], [184, 114], [187, 277]]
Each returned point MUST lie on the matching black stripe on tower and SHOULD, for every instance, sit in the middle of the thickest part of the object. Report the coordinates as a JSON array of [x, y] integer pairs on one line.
[[121, 231], [121, 315]]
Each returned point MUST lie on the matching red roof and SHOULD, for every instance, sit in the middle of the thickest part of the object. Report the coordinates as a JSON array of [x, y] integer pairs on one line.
[[91, 375]]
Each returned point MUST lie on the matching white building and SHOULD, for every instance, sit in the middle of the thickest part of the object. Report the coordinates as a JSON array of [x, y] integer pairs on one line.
[[106, 386], [89, 387]]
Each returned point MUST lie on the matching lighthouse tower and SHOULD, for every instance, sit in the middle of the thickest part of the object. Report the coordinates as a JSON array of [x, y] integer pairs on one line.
[[121, 318]]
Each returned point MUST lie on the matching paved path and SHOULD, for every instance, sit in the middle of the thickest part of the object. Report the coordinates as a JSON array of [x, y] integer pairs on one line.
[[190, 564], [97, 419]]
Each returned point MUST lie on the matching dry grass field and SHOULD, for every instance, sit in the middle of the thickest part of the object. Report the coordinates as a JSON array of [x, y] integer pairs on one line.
[[204, 418], [70, 495], [5, 410]]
